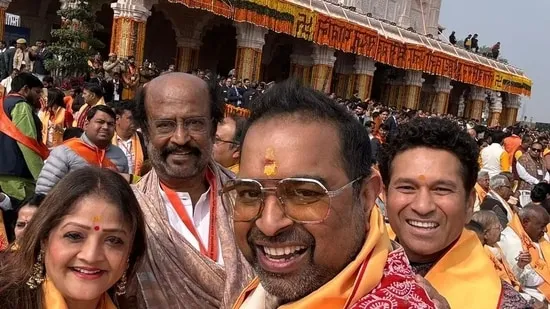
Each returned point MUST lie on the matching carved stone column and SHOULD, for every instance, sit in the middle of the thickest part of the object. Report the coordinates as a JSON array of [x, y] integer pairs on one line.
[[404, 11], [187, 56], [3, 7], [495, 109], [323, 63], [413, 83], [345, 84], [511, 108], [300, 68], [128, 34], [250, 42], [364, 73], [442, 91], [461, 107], [478, 97]]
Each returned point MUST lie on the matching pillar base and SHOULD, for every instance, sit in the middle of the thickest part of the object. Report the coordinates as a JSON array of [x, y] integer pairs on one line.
[[301, 73], [441, 103], [412, 97], [187, 59], [476, 109], [321, 77], [248, 63], [363, 84]]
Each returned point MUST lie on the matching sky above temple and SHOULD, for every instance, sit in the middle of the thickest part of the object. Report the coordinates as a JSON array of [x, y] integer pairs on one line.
[[522, 27]]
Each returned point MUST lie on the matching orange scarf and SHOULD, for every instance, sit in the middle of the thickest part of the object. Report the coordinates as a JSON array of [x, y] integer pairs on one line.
[[537, 262], [8, 127], [350, 284], [90, 154], [3, 236], [481, 193], [503, 269], [52, 298], [136, 151], [80, 119], [58, 124], [465, 275]]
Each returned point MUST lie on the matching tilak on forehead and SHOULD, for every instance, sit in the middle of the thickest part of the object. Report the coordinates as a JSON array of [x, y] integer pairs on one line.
[[270, 164], [96, 220]]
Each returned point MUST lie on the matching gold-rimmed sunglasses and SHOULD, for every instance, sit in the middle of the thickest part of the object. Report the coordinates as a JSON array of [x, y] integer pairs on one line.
[[303, 200]]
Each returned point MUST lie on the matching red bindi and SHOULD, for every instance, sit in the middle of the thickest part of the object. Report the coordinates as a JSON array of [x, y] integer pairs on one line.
[[96, 228]]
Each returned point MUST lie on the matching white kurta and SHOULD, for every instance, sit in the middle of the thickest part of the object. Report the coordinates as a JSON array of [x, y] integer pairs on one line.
[[510, 243]]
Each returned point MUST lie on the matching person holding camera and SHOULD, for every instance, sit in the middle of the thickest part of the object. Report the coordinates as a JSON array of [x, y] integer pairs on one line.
[[113, 65]]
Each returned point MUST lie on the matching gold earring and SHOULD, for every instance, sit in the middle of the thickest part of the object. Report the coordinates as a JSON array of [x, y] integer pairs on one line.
[[37, 276], [121, 285]]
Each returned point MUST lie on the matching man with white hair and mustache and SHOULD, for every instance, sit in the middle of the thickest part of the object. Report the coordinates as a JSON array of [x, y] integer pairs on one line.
[[192, 259], [497, 198]]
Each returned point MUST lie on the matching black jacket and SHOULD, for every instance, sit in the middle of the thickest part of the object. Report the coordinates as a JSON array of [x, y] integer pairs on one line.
[[39, 65], [490, 203]]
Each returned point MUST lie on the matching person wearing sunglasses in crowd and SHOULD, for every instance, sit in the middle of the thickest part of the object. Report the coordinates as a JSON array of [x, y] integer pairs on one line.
[[81, 247], [429, 169], [531, 170], [306, 223]]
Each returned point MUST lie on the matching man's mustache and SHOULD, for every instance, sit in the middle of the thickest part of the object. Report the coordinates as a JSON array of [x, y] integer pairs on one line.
[[290, 235], [172, 149]]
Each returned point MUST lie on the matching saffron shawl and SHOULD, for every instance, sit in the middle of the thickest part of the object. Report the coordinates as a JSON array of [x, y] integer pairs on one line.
[[175, 274]]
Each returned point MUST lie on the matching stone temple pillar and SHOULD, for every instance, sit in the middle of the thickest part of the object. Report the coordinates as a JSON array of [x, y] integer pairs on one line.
[[510, 112], [364, 74], [413, 88], [323, 63], [478, 97], [495, 109], [443, 90], [187, 58], [300, 68], [250, 42], [3, 7], [128, 34], [345, 85]]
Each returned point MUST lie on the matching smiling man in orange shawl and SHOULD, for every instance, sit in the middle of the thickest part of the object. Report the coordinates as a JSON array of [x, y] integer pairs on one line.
[[127, 138], [525, 234], [429, 169], [307, 223]]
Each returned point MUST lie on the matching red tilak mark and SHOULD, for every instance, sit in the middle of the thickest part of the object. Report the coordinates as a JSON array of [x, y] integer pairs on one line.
[[96, 228]]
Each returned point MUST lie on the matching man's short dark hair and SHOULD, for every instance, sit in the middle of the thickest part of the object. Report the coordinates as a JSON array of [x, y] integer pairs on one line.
[[123, 106], [539, 192], [497, 136], [95, 89], [33, 200], [100, 108], [290, 98], [434, 133], [240, 125], [49, 79], [25, 79], [74, 132], [216, 107]]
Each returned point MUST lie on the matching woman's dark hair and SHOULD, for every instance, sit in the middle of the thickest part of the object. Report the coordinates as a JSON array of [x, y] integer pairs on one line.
[[56, 97], [434, 133], [289, 98], [16, 269], [33, 200]]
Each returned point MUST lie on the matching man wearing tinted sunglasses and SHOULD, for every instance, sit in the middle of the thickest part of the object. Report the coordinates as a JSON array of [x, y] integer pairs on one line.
[[303, 213], [531, 171]]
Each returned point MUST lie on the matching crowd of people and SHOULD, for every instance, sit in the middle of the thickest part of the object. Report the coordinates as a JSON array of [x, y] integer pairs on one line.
[[154, 194]]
